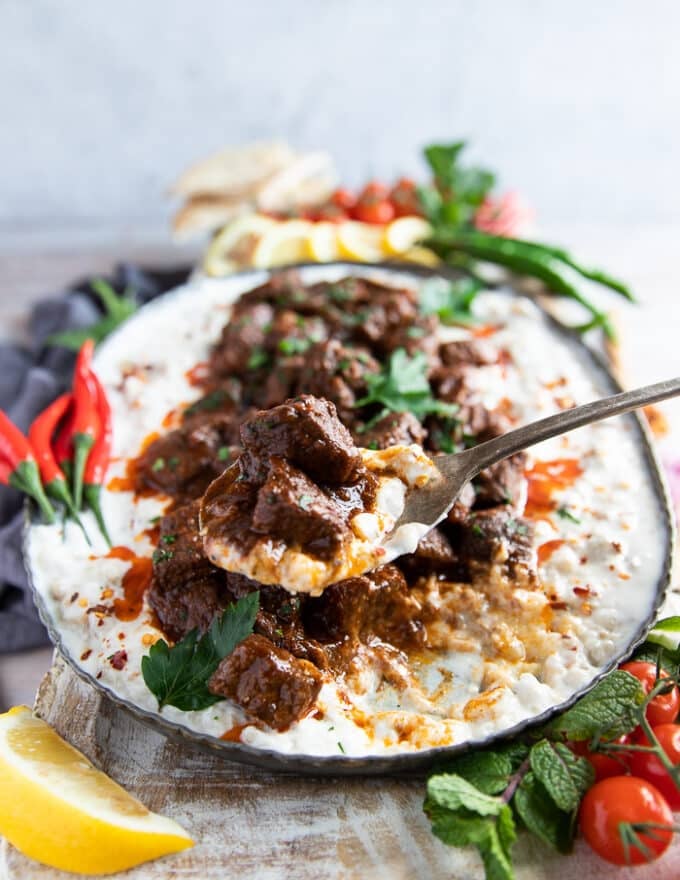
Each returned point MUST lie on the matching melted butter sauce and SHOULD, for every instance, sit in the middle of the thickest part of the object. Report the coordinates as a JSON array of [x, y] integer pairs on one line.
[[135, 583], [544, 479]]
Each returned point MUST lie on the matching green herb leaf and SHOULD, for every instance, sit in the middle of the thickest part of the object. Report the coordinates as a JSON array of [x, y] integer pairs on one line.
[[541, 815], [293, 345], [210, 403], [609, 710], [565, 513], [453, 792], [564, 775], [488, 771], [495, 855], [116, 310], [402, 386], [178, 676], [451, 301], [258, 358]]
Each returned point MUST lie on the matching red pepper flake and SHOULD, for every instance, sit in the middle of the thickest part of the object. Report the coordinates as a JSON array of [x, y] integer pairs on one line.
[[86, 654], [118, 660], [74, 597]]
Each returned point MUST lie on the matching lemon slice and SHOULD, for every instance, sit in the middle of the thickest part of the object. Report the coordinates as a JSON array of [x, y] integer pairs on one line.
[[233, 246], [59, 809], [361, 241], [421, 255], [402, 234], [283, 243], [322, 244]]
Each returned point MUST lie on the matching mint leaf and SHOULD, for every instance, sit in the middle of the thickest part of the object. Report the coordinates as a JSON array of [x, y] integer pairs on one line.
[[402, 386], [487, 771], [542, 816], [609, 710], [116, 310], [496, 859], [564, 775], [178, 675], [451, 301], [454, 792], [457, 828]]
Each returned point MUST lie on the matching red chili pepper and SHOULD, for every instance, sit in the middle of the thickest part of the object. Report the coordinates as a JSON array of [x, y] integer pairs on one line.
[[85, 419], [19, 468], [98, 459], [40, 436], [62, 444]]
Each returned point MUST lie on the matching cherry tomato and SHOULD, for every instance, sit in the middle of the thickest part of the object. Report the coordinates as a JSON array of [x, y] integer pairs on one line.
[[380, 211], [605, 765], [647, 766], [664, 708], [404, 198], [624, 799], [331, 212], [375, 190], [344, 198]]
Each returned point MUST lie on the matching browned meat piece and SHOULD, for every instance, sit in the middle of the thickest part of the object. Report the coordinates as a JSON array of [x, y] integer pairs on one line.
[[308, 433], [183, 462], [380, 316], [242, 340], [468, 352], [375, 605], [502, 483], [338, 373], [268, 683], [391, 430], [434, 555], [493, 536], [186, 591], [290, 506]]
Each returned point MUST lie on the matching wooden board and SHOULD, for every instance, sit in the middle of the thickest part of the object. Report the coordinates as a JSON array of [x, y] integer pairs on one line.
[[252, 825]]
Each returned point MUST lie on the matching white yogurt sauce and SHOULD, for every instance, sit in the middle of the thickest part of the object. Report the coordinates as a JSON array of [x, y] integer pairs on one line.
[[595, 589]]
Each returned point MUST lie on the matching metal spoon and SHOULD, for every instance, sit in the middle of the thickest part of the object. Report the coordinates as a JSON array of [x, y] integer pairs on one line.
[[427, 506]]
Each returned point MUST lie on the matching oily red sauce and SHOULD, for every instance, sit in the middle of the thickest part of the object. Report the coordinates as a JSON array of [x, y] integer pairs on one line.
[[485, 330], [234, 733], [545, 551], [136, 581], [545, 478], [128, 483], [198, 374]]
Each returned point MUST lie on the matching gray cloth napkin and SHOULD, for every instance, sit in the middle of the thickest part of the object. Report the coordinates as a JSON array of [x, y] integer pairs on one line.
[[30, 378]]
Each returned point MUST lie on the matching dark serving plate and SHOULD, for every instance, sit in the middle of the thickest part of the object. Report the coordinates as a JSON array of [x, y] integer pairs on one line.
[[407, 762]]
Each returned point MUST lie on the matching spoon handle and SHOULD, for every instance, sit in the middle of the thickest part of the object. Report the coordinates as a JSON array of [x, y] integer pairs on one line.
[[486, 454]]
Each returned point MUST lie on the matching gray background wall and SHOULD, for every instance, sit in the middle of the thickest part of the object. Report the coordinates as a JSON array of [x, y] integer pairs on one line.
[[101, 104]]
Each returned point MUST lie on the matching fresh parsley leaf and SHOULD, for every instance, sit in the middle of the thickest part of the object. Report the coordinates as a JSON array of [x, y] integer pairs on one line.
[[462, 189], [564, 775], [258, 358], [116, 310], [178, 675], [541, 815], [453, 792], [402, 386], [488, 771], [609, 710], [565, 513], [293, 345], [451, 301]]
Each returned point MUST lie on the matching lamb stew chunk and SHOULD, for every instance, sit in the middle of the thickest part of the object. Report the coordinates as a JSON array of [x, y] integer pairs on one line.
[[306, 356]]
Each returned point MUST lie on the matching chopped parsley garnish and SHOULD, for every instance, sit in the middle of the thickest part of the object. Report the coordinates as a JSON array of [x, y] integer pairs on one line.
[[306, 501], [477, 530], [258, 358], [372, 445], [223, 453], [160, 555], [402, 386], [451, 301], [158, 465], [565, 513], [209, 403], [415, 332], [178, 675], [341, 747], [168, 539], [173, 462], [293, 345]]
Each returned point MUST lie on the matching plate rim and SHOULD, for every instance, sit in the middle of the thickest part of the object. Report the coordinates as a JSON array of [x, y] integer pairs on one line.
[[403, 763]]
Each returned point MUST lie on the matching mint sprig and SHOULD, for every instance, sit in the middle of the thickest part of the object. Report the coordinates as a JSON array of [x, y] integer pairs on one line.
[[178, 675]]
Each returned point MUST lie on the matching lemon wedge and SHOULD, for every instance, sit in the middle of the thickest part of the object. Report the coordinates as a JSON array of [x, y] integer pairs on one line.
[[233, 246], [322, 244], [403, 234], [57, 808], [361, 241], [421, 255], [283, 243]]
